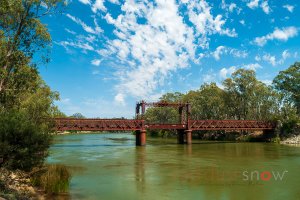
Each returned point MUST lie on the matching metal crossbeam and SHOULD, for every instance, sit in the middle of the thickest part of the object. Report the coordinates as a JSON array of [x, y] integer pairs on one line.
[[231, 125], [63, 124]]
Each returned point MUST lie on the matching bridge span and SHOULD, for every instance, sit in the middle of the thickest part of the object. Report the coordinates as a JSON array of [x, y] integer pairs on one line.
[[139, 125]]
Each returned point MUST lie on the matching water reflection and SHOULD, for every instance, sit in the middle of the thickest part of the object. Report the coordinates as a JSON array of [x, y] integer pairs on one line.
[[111, 167], [140, 161]]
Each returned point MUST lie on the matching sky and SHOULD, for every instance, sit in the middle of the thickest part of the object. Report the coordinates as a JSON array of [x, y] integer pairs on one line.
[[109, 54]]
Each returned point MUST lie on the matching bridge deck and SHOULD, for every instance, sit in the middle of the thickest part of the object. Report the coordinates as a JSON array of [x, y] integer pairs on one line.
[[64, 124]]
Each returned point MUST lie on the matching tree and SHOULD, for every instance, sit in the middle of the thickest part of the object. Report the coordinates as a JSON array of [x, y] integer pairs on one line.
[[77, 116], [248, 98], [22, 35], [207, 102], [26, 102], [288, 83]]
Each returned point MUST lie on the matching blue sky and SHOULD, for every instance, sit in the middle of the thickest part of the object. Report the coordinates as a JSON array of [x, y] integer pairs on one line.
[[108, 54]]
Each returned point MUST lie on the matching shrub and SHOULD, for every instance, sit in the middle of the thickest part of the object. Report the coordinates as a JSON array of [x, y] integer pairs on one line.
[[23, 143]]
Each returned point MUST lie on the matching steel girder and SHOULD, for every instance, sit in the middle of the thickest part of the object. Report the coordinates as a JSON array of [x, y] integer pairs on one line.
[[63, 124], [231, 125]]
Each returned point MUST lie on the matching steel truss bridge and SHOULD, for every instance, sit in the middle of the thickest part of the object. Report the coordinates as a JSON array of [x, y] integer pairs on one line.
[[139, 125]]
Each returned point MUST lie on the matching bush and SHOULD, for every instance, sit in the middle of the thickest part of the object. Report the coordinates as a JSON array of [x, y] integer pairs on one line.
[[23, 143], [53, 179]]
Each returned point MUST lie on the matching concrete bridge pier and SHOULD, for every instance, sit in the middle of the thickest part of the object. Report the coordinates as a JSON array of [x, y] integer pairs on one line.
[[140, 137], [180, 136], [188, 134]]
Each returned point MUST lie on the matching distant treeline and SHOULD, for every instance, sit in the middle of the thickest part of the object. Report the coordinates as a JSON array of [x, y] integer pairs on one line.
[[240, 97]]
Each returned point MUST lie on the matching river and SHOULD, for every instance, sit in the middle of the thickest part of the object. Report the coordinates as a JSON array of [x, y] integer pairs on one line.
[[110, 166]]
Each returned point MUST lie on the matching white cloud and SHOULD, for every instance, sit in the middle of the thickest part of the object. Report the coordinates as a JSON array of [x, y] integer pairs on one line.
[[209, 77], [69, 31], [85, 1], [267, 82], [225, 72], [242, 22], [98, 5], [278, 34], [272, 59], [151, 40], [265, 6], [85, 27], [232, 6], [290, 8], [253, 4], [205, 23], [285, 54], [80, 45], [119, 98], [96, 62], [161, 45], [220, 50], [252, 66]]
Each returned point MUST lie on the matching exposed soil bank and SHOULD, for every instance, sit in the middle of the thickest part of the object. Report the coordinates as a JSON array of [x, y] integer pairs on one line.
[[17, 185]]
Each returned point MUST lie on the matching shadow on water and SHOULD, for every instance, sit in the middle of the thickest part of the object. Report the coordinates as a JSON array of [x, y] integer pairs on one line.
[[90, 145]]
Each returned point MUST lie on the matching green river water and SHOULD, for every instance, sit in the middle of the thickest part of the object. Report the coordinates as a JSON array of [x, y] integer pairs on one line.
[[110, 166]]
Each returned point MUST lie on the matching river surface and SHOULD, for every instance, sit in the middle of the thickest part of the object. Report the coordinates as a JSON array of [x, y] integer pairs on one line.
[[110, 166]]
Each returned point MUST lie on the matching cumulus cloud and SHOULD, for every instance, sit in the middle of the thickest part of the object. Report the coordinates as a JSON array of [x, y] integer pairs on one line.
[[225, 72], [160, 45], [265, 6], [253, 66], [290, 8], [119, 99], [96, 62], [220, 50], [272, 58], [278, 34], [253, 4], [151, 40]]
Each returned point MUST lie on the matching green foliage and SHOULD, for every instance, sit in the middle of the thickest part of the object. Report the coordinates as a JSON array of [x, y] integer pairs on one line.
[[23, 143], [288, 82], [26, 102], [22, 35], [207, 102], [53, 179], [243, 97], [248, 98]]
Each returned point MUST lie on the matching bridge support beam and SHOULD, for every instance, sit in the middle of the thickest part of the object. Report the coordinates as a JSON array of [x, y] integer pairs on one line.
[[140, 137], [180, 136], [188, 134]]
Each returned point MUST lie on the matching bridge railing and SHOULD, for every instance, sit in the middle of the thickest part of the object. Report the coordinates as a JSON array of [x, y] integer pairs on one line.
[[63, 124], [231, 125]]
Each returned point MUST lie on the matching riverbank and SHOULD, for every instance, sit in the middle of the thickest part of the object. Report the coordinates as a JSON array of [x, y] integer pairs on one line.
[[17, 185], [291, 140]]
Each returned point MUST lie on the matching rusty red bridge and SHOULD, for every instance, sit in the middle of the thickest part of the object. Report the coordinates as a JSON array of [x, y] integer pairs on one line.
[[139, 125]]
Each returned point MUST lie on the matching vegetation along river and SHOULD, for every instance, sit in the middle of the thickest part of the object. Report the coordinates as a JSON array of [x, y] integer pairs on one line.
[[110, 166]]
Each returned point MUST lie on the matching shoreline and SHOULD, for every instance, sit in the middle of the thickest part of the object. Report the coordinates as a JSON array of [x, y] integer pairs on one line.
[[17, 184]]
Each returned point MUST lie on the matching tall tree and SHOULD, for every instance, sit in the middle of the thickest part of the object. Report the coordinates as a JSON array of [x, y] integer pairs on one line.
[[22, 34], [207, 102], [288, 82], [26, 102]]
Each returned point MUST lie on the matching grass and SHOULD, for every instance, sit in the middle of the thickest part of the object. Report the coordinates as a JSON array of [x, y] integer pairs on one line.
[[53, 179]]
